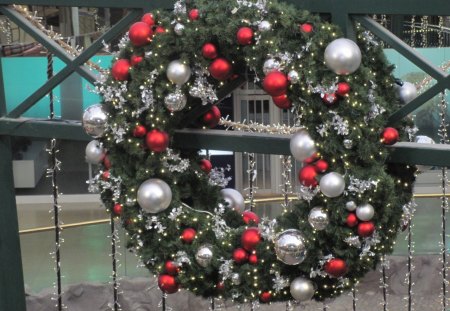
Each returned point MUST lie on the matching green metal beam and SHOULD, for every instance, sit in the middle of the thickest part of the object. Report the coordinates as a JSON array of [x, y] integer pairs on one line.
[[405, 7], [424, 154], [129, 4], [74, 65]]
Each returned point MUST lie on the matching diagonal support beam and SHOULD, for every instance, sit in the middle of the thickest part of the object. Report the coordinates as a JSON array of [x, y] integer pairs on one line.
[[74, 65], [129, 4]]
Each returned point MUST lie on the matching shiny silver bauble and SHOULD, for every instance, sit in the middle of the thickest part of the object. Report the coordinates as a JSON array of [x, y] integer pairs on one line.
[[271, 65], [343, 56], [236, 279], [178, 73], [179, 29], [332, 185], [175, 101], [264, 26], [290, 247], [234, 199], [204, 255], [95, 119], [94, 152], [293, 77], [351, 206], [302, 145], [302, 289], [407, 92], [154, 195], [365, 212], [318, 218]]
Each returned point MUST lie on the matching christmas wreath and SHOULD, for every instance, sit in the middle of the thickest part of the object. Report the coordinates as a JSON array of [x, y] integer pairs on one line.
[[196, 235]]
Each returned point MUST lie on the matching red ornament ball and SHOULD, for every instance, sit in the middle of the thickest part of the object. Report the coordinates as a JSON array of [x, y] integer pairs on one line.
[[139, 131], [307, 176], [389, 136], [321, 166], [265, 297], [168, 284], [205, 166], [120, 69], [209, 51], [329, 99], [160, 30], [343, 88], [366, 229], [275, 83], [335, 267], [220, 69], [194, 14], [250, 238], [220, 286], [136, 59], [240, 255], [188, 235], [253, 259], [351, 220], [106, 175], [171, 268], [306, 28], [117, 209], [212, 117], [140, 34], [157, 140], [245, 36], [250, 218], [312, 159], [282, 101], [149, 19], [107, 162]]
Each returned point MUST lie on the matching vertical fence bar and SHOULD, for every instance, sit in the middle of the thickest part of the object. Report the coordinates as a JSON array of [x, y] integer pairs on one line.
[[12, 292], [251, 179], [114, 263]]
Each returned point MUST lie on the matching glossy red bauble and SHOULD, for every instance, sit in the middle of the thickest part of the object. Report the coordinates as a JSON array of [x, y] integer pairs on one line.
[[389, 136], [306, 28], [275, 83], [194, 14], [312, 159], [212, 117], [206, 166], [335, 267], [107, 162], [220, 286], [136, 59], [366, 229], [160, 30], [250, 218], [343, 88], [321, 166], [171, 268], [250, 238], [253, 259], [157, 141], [220, 69], [209, 51], [139, 131], [149, 19], [351, 220], [244, 36], [240, 255], [265, 297], [168, 284], [140, 34], [117, 209], [307, 176], [330, 99], [106, 174], [282, 101], [188, 235], [120, 69]]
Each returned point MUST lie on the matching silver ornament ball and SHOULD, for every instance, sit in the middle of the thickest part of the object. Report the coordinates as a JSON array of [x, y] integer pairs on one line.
[[204, 255], [236, 279], [348, 143], [293, 77], [271, 65], [154, 195], [421, 139], [94, 152], [343, 56], [365, 212], [175, 101], [302, 289], [94, 120], [351, 206], [234, 199], [178, 73], [179, 29], [302, 146], [318, 218], [332, 184], [264, 26], [290, 247], [407, 92], [195, 92]]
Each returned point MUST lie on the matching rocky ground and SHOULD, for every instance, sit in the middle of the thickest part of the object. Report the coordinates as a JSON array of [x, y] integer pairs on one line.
[[142, 294]]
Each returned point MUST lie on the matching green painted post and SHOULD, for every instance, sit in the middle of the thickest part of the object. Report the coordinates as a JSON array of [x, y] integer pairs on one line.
[[12, 292]]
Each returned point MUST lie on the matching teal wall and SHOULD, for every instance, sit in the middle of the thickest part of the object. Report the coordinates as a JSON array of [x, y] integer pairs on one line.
[[23, 75]]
